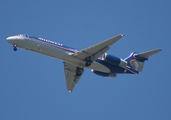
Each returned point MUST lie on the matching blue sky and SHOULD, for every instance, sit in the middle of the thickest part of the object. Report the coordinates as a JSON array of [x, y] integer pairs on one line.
[[32, 86]]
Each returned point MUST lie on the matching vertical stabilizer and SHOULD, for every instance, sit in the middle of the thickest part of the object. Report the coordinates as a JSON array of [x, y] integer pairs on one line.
[[136, 61]]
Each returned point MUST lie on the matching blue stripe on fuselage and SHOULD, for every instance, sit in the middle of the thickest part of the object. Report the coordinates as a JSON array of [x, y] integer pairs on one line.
[[55, 44]]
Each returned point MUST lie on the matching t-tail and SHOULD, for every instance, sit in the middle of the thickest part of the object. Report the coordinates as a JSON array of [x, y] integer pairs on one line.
[[136, 61]]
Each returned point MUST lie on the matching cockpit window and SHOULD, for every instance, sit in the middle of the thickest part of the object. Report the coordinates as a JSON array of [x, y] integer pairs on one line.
[[24, 35]]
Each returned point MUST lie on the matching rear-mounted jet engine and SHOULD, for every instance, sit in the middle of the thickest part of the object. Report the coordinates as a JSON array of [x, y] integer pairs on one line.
[[114, 60]]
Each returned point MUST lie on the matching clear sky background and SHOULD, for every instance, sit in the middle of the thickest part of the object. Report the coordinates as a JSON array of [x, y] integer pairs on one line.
[[32, 86]]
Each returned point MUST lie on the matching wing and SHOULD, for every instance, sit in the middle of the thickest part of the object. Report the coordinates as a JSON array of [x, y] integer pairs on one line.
[[72, 75], [97, 50]]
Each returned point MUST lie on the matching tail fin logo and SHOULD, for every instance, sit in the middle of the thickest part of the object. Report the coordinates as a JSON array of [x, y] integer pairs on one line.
[[136, 61], [133, 63]]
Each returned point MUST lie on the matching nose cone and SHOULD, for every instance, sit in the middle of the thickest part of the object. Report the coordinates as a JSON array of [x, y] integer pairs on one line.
[[10, 38]]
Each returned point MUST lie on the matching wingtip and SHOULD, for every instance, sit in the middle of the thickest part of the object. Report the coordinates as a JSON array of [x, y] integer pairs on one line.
[[70, 91], [159, 49], [122, 35]]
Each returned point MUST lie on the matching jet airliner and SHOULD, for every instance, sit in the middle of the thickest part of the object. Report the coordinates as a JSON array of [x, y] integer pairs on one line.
[[76, 60]]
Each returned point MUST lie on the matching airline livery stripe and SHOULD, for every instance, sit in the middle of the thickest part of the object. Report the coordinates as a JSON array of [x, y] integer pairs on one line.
[[61, 46]]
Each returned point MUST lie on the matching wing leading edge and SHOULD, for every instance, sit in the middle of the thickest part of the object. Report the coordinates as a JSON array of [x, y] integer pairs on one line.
[[97, 50]]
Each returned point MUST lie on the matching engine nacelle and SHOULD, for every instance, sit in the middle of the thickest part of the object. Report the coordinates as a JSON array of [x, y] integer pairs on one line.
[[114, 60], [103, 74]]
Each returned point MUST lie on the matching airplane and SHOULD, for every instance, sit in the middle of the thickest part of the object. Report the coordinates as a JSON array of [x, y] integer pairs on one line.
[[93, 57]]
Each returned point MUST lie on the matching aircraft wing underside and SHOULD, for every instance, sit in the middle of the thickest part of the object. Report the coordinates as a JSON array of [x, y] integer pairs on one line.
[[70, 75], [97, 50]]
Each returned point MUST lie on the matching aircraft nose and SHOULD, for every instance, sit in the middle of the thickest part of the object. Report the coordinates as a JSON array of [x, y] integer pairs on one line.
[[10, 38]]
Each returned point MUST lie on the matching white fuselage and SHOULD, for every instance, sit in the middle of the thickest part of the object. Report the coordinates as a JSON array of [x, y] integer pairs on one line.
[[57, 51]]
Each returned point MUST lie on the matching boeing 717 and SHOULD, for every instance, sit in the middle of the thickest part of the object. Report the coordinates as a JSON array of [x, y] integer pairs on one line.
[[76, 60]]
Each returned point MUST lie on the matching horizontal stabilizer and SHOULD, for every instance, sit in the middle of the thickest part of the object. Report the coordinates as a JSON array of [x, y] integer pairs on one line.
[[148, 53]]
